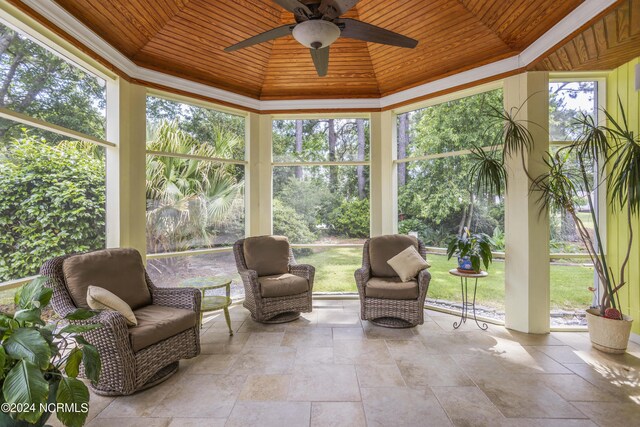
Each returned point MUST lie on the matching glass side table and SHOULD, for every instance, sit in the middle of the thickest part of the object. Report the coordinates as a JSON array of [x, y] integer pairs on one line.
[[464, 277], [212, 302]]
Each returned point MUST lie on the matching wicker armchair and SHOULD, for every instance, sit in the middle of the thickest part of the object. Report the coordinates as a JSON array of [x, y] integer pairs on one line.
[[274, 289], [125, 367], [398, 305]]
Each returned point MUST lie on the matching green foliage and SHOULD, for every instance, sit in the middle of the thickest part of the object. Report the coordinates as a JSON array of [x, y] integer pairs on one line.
[[288, 222], [439, 197], [39, 364], [187, 198], [477, 247], [350, 219], [52, 203], [37, 82]]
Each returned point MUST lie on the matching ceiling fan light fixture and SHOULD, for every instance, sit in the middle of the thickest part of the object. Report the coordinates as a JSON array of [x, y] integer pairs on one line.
[[316, 33]]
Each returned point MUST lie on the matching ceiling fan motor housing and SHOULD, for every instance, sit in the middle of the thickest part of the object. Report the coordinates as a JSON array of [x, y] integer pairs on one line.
[[316, 33]]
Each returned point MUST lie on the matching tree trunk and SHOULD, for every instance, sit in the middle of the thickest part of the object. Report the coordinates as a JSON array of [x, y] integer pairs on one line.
[[470, 216], [568, 230], [463, 221], [403, 140], [299, 146], [6, 84], [333, 171], [361, 149], [5, 40]]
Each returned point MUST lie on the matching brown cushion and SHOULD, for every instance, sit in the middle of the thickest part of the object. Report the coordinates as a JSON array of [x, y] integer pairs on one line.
[[391, 288], [282, 285], [119, 271], [267, 255], [157, 323], [383, 248]]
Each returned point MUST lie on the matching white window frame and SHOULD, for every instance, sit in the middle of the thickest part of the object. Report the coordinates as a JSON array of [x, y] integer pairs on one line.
[[601, 195], [366, 163], [57, 46], [244, 163]]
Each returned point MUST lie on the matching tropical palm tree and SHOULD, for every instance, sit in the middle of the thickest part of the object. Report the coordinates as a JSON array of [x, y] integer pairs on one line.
[[187, 197]]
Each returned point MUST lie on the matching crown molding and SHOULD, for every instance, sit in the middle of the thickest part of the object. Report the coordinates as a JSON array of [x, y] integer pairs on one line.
[[584, 13]]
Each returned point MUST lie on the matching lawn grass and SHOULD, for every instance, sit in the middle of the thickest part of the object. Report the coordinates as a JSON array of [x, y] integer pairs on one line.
[[335, 268]]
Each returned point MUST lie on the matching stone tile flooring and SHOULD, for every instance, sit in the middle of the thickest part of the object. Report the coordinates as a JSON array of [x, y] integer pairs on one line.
[[330, 369]]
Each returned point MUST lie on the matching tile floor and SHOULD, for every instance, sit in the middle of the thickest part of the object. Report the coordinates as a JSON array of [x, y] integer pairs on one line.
[[330, 369]]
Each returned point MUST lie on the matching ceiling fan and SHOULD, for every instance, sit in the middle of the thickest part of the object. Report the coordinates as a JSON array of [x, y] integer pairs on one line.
[[318, 25]]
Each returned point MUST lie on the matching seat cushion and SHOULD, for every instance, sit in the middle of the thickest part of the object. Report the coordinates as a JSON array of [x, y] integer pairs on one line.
[[102, 299], [267, 255], [408, 263], [119, 271], [157, 323], [282, 285], [383, 248], [391, 288]]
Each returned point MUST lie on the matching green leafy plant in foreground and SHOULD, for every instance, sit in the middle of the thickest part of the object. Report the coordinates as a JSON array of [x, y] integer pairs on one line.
[[40, 362]]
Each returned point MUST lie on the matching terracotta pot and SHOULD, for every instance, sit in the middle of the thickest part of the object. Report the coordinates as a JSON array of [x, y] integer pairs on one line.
[[608, 335]]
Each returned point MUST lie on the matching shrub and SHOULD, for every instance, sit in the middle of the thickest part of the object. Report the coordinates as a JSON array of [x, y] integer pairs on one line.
[[52, 202], [350, 219], [287, 222]]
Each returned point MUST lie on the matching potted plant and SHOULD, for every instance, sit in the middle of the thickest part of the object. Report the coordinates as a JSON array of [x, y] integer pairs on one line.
[[614, 149], [472, 250], [40, 363]]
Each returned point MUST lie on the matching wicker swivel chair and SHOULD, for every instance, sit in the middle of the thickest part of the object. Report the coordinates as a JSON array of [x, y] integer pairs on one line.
[[137, 357], [384, 299], [276, 289]]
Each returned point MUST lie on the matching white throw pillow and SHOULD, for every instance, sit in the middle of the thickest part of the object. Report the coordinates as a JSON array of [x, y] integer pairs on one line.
[[101, 299], [408, 263]]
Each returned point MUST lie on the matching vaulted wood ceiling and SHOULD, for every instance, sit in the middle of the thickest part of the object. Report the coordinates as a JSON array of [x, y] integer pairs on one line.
[[186, 38], [607, 43]]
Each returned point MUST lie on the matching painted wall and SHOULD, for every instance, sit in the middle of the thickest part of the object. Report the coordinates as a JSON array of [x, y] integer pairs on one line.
[[621, 82]]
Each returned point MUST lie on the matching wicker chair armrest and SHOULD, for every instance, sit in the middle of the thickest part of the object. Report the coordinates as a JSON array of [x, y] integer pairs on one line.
[[185, 298], [250, 277], [114, 333], [424, 277], [303, 270], [362, 276]]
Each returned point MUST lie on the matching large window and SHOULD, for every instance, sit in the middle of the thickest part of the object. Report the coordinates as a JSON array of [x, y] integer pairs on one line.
[[435, 198], [321, 194], [571, 270], [195, 191], [52, 186]]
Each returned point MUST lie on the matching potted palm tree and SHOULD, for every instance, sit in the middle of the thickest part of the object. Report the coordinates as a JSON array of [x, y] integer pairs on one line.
[[40, 363], [615, 150]]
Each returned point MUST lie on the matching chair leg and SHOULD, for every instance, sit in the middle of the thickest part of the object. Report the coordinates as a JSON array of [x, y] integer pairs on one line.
[[228, 318]]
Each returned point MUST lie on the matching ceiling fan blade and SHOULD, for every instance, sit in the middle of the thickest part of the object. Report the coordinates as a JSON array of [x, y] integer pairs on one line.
[[354, 29], [334, 8], [321, 60], [285, 30], [294, 6]]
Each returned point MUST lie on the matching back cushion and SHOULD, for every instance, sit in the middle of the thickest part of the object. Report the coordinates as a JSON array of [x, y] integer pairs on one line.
[[383, 248], [267, 255], [119, 271]]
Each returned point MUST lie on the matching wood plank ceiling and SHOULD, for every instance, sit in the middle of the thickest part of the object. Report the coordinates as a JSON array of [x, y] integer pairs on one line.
[[606, 44], [186, 38]]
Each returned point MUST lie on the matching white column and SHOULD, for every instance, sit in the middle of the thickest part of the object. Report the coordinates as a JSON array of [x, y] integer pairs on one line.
[[258, 178], [383, 176], [526, 231], [126, 194]]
